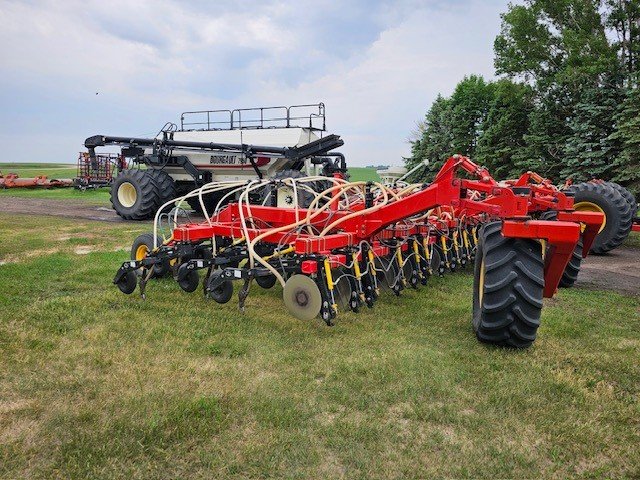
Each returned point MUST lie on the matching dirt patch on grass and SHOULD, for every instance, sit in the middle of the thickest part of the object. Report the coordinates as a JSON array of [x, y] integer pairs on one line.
[[618, 270], [65, 208], [61, 208], [14, 258]]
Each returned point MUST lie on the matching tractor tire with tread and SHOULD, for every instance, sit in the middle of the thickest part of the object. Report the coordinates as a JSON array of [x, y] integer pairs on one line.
[[134, 194], [627, 195], [166, 188], [591, 196], [508, 288]]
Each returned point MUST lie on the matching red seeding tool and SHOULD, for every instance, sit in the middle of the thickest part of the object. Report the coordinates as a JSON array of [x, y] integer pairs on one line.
[[99, 170], [13, 180], [355, 239]]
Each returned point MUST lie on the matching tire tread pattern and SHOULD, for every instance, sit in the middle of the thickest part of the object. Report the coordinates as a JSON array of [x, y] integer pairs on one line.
[[513, 286], [617, 209], [146, 205]]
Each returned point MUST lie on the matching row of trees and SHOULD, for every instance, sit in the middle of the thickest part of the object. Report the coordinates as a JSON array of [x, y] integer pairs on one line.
[[567, 104]]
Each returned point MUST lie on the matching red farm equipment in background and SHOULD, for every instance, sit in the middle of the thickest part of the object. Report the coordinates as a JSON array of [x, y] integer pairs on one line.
[[13, 180], [99, 170], [91, 173]]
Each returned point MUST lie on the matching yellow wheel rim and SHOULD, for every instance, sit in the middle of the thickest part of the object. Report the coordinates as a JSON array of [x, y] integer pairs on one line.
[[590, 207], [127, 194], [141, 252]]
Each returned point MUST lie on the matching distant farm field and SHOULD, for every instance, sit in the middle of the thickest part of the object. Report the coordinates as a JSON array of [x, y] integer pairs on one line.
[[99, 196], [363, 174], [51, 170]]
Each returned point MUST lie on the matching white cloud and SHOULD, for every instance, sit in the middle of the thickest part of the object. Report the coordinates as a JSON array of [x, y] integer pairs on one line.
[[376, 67]]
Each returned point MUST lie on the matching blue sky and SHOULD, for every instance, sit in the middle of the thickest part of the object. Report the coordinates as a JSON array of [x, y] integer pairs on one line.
[[376, 65]]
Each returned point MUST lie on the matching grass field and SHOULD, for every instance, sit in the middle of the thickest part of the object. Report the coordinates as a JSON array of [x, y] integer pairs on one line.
[[363, 174], [95, 384], [99, 196], [52, 170]]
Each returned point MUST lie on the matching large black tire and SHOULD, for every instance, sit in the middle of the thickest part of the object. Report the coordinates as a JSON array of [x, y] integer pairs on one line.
[[571, 271], [627, 195], [210, 201], [166, 187], [590, 196], [142, 245], [134, 194], [508, 288]]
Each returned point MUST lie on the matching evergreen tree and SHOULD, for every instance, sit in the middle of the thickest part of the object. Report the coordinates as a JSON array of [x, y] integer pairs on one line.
[[453, 125], [590, 149], [544, 142], [623, 17], [627, 164], [470, 105], [506, 125], [576, 112], [435, 144]]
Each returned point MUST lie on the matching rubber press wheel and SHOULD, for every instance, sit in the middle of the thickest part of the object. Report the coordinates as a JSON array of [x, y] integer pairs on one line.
[[267, 281], [190, 281], [134, 194], [508, 288], [302, 297], [222, 293], [128, 283]]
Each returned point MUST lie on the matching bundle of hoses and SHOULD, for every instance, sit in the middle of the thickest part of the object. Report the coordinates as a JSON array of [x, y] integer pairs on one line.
[[339, 196]]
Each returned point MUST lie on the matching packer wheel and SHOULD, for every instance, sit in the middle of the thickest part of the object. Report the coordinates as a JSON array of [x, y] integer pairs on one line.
[[128, 283], [222, 293], [266, 282], [190, 282]]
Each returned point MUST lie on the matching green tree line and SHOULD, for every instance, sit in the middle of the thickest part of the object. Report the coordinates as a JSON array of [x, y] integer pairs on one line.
[[566, 104]]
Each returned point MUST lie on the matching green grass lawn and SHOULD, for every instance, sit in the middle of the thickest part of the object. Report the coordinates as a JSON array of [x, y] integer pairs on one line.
[[95, 384], [363, 174], [99, 196], [633, 240], [52, 170]]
